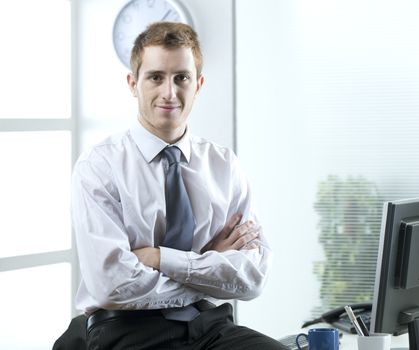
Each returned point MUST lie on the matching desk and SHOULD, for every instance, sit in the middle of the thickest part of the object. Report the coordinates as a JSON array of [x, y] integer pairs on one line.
[[349, 341]]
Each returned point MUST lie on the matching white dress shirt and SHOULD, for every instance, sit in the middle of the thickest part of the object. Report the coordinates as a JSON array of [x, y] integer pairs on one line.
[[118, 205]]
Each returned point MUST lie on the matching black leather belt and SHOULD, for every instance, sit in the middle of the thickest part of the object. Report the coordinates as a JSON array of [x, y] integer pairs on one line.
[[102, 315]]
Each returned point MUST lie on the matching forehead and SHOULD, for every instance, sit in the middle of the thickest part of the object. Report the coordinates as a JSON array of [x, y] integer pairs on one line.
[[158, 58]]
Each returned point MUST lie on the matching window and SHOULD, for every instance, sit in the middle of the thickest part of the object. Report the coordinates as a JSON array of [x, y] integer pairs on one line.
[[359, 118], [36, 151], [328, 127]]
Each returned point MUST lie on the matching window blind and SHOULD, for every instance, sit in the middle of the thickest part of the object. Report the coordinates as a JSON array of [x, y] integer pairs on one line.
[[360, 125]]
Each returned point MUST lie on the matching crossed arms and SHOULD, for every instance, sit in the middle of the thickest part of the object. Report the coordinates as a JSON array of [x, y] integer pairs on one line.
[[231, 237], [119, 273]]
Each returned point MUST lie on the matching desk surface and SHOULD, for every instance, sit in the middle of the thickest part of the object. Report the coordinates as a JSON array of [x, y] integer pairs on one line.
[[349, 341]]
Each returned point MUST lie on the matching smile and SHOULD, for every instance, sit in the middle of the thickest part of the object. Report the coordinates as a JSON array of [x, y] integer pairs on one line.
[[167, 108]]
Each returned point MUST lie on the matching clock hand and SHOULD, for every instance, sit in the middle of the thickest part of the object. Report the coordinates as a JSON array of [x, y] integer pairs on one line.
[[166, 15]]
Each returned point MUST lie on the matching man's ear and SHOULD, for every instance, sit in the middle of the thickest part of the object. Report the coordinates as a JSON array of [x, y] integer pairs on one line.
[[132, 84], [200, 82]]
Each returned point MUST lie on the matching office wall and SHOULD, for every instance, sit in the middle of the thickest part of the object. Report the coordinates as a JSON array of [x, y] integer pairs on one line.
[[268, 141], [105, 104]]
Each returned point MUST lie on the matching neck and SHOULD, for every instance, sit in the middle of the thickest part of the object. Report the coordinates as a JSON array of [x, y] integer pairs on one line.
[[169, 135]]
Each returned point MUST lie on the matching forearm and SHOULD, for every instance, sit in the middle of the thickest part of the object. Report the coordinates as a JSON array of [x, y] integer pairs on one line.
[[149, 256], [231, 274], [130, 284]]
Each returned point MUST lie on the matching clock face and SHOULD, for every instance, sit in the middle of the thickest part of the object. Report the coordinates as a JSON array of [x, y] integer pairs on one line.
[[135, 16]]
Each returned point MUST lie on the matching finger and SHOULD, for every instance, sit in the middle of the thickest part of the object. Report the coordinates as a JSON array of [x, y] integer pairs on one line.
[[247, 227], [244, 239], [223, 234], [250, 246], [206, 247], [230, 225]]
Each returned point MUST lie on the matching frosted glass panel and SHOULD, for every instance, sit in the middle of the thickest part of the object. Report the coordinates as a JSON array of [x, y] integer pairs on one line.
[[35, 308], [34, 192], [35, 67], [339, 97]]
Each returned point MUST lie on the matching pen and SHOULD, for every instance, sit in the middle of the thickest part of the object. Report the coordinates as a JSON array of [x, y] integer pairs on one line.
[[352, 317], [362, 325]]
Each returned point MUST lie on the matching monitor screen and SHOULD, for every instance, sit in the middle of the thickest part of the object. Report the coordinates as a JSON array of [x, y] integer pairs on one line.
[[395, 306]]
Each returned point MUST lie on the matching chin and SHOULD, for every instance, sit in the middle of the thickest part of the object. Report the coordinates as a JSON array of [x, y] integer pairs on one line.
[[172, 122]]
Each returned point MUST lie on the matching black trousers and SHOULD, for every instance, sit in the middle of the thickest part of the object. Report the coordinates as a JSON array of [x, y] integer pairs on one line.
[[212, 329], [74, 338]]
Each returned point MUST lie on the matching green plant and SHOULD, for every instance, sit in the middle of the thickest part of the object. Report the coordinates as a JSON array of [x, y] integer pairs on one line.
[[349, 223]]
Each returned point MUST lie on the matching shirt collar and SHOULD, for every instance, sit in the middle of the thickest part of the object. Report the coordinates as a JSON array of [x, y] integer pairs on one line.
[[150, 145]]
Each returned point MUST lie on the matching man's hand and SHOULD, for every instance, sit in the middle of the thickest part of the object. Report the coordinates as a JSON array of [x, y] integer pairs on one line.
[[233, 237], [149, 256]]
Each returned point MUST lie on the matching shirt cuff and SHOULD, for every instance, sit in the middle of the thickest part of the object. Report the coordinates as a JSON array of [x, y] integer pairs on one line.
[[175, 264]]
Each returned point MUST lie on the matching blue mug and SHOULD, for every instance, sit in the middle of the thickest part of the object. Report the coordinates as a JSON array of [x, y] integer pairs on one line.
[[320, 339]]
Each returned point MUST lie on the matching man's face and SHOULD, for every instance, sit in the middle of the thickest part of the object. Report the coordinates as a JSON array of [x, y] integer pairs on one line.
[[166, 88]]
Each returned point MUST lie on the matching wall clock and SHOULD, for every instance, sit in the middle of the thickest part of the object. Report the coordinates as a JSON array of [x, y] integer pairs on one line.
[[136, 15]]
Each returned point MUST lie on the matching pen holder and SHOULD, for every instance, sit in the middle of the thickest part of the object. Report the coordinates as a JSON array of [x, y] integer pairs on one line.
[[376, 341]]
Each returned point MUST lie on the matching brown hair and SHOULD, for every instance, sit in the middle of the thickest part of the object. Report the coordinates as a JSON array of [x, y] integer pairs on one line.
[[170, 35]]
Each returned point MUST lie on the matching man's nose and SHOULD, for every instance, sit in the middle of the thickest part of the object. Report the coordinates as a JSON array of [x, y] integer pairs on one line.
[[169, 90]]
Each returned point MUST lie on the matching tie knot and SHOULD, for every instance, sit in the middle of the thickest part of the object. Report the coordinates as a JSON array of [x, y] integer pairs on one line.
[[172, 154]]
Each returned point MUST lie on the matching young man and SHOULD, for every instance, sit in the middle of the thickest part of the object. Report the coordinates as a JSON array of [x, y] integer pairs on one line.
[[163, 219]]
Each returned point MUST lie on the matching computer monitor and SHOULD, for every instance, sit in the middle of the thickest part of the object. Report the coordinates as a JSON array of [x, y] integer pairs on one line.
[[395, 306]]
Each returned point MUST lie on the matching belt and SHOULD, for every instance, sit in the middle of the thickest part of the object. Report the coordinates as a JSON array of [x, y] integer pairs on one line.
[[102, 315]]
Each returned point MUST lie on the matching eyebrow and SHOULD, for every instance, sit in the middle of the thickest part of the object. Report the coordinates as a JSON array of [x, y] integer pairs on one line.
[[151, 72]]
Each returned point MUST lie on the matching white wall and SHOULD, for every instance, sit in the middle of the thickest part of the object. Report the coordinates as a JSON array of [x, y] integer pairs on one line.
[[268, 144], [105, 102]]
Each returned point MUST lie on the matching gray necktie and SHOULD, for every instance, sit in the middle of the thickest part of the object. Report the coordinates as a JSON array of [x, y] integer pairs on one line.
[[180, 223]]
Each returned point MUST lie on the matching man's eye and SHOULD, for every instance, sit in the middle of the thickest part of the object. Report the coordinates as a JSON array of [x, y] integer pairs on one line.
[[155, 77], [182, 77]]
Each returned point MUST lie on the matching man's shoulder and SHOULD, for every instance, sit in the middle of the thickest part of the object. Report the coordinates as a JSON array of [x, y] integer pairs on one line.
[[203, 147], [105, 148]]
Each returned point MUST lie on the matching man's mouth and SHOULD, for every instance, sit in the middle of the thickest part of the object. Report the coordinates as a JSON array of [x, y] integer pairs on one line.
[[168, 108]]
